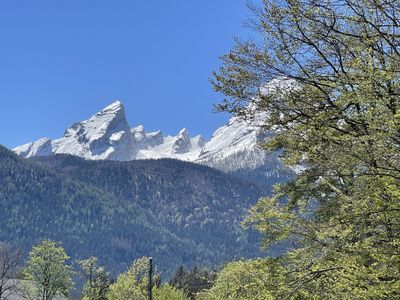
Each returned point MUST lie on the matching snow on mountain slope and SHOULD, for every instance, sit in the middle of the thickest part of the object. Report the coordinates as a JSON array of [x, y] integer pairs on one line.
[[233, 148], [107, 135], [41, 147], [179, 147], [227, 140]]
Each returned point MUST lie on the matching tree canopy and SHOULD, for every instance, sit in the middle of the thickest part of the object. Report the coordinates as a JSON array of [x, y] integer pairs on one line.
[[332, 102], [97, 279], [47, 269], [133, 284]]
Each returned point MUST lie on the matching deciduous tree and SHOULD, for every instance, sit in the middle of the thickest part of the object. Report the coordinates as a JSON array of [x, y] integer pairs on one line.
[[133, 284], [9, 262], [97, 279], [47, 269], [168, 292], [332, 102]]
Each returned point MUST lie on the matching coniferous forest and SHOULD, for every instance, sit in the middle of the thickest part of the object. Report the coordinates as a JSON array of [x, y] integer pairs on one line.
[[119, 211], [324, 78]]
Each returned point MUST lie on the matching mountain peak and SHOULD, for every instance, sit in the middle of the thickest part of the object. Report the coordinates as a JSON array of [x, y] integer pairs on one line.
[[183, 132], [105, 135], [115, 106], [115, 110]]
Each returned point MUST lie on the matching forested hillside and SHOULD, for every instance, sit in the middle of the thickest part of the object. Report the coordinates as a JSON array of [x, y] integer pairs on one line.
[[177, 212]]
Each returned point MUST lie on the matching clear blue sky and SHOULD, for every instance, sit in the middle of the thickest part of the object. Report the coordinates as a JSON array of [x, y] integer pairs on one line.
[[62, 61]]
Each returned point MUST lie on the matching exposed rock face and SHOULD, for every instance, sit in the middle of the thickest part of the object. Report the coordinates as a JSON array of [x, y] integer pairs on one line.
[[182, 141], [106, 135], [233, 148], [42, 147]]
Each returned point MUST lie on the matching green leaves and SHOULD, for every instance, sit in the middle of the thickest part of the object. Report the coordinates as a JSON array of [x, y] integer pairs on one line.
[[192, 282], [167, 292], [97, 280], [103, 208], [271, 219], [133, 284], [341, 125], [252, 279], [46, 268]]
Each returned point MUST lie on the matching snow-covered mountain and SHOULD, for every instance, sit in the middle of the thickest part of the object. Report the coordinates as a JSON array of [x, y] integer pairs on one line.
[[107, 135], [233, 148]]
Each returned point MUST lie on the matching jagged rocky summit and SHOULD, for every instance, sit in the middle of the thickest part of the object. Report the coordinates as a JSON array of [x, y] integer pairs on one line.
[[107, 135]]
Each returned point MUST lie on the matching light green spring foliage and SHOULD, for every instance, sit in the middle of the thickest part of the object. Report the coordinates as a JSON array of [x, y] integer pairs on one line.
[[126, 288], [47, 269], [168, 292], [340, 118], [97, 279], [133, 284], [243, 279]]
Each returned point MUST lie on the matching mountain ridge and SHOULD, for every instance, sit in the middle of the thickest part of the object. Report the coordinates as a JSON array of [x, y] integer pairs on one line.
[[233, 148]]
